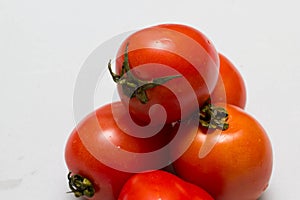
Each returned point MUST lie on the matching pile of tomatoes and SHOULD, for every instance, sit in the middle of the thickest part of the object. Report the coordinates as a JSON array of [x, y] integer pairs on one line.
[[179, 131]]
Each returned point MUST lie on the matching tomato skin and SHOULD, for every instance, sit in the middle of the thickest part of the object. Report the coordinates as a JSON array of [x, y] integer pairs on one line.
[[81, 157], [161, 185], [107, 181], [230, 87], [238, 167], [158, 51]]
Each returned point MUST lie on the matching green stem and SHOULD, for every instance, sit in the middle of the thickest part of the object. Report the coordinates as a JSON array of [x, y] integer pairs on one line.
[[80, 186], [131, 85], [213, 117]]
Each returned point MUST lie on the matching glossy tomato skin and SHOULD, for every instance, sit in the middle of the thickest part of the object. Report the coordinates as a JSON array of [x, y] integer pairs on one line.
[[88, 144], [230, 88], [161, 185], [238, 167], [167, 50], [106, 181]]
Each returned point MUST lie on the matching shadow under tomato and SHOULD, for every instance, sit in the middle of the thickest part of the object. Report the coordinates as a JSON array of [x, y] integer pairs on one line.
[[266, 196]]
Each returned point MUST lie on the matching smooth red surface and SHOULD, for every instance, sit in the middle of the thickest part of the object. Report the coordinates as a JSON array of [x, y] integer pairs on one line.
[[238, 167], [166, 50], [88, 144], [161, 185], [230, 88]]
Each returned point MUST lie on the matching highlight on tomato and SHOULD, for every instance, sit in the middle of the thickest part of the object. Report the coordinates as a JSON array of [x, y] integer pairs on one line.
[[239, 165], [101, 153], [230, 87], [172, 65], [161, 185]]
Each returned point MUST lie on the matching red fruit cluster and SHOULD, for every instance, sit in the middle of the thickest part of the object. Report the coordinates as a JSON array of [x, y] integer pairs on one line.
[[172, 83]]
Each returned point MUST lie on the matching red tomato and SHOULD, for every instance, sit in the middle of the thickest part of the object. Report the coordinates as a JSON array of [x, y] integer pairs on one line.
[[238, 167], [161, 185], [101, 150], [163, 51], [230, 87]]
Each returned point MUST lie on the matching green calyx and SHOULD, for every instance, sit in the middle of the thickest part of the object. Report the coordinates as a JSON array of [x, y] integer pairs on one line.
[[131, 85], [213, 117], [80, 186]]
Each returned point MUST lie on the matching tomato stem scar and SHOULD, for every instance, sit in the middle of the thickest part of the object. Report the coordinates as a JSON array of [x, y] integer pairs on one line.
[[80, 186], [131, 85], [213, 117]]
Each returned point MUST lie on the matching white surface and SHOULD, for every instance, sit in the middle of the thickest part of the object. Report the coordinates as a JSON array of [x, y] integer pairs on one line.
[[43, 45]]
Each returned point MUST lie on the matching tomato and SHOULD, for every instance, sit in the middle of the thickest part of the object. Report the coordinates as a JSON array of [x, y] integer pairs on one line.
[[167, 50], [161, 185], [239, 165], [101, 154], [230, 87]]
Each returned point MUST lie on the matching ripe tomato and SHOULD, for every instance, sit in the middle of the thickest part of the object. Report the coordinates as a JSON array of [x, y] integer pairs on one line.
[[161, 185], [167, 50], [101, 155], [230, 87], [238, 167]]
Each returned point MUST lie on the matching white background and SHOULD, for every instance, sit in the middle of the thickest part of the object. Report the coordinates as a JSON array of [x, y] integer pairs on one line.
[[43, 45]]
